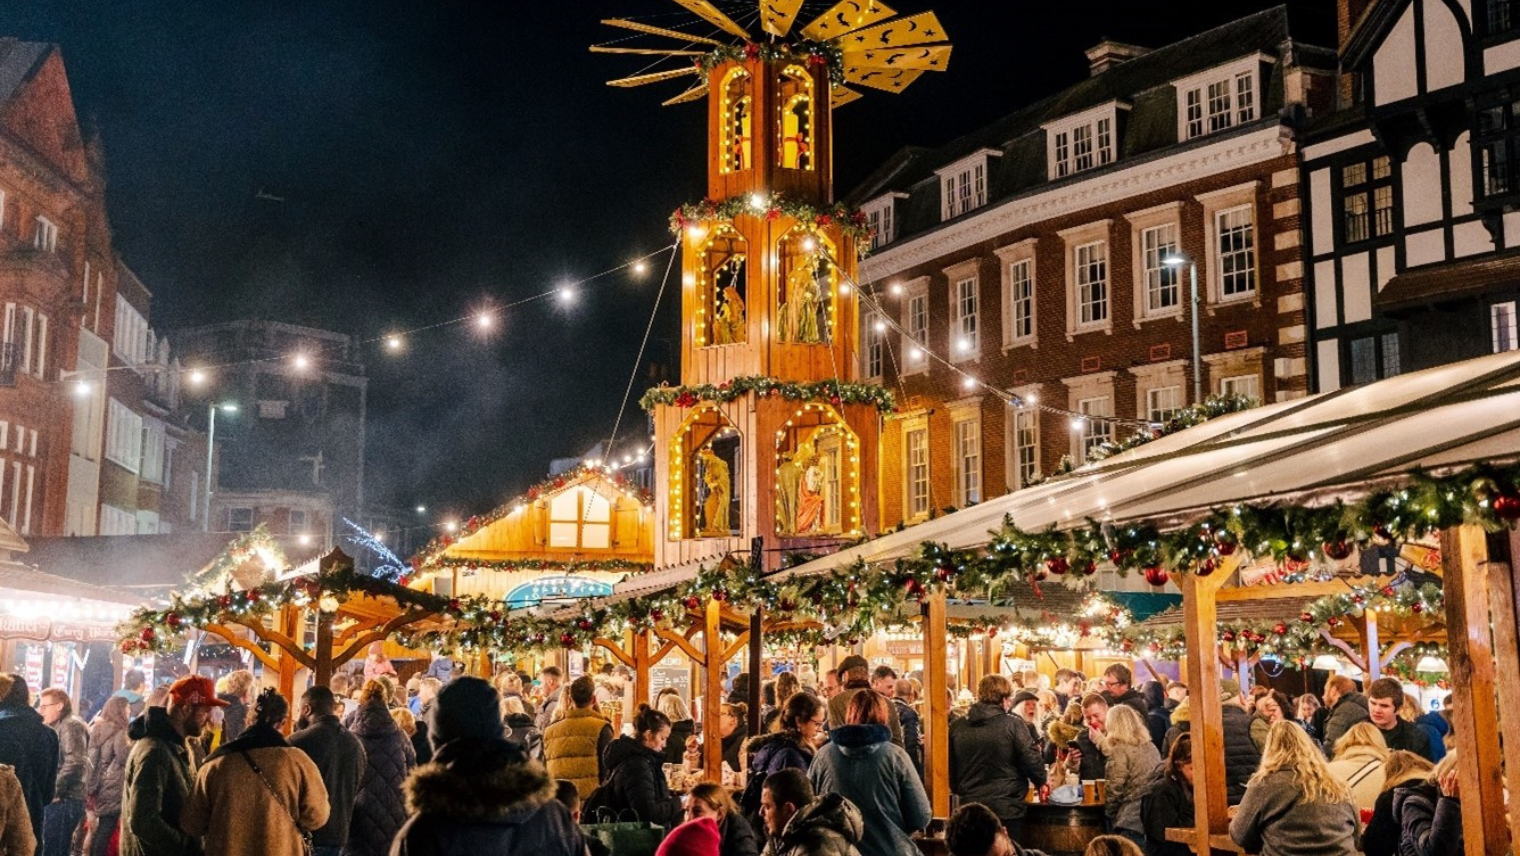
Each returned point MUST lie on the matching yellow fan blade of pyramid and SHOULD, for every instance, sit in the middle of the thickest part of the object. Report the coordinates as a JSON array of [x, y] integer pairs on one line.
[[777, 16], [645, 51], [933, 58], [660, 31], [846, 17], [916, 30], [709, 13], [842, 95], [691, 94], [883, 79], [655, 77]]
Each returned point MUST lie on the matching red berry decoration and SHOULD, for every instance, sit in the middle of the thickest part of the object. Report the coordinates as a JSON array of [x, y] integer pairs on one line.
[[1057, 565], [567, 640], [1338, 550], [1157, 575], [691, 602], [1388, 591], [454, 605], [584, 624], [172, 619], [1280, 628], [720, 595], [1225, 542], [1507, 506], [1227, 636], [253, 596], [224, 601], [148, 634], [1306, 618], [1207, 566], [1417, 608]]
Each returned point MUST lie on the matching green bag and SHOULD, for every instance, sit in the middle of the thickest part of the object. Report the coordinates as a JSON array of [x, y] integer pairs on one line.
[[625, 837]]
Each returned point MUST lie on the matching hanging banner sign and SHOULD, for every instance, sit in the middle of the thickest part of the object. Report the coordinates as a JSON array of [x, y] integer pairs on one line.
[[34, 667], [16, 627], [45, 629]]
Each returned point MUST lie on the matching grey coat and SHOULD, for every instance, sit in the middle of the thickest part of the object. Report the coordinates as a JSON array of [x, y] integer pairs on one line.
[[108, 764], [73, 757], [828, 826], [1275, 820], [864, 767], [339, 757], [1133, 769], [1349, 709]]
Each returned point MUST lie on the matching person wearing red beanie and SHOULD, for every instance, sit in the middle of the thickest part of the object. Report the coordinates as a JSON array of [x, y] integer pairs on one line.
[[693, 838]]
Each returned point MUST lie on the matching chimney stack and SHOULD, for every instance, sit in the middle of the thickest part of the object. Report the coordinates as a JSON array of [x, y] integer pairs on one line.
[[1109, 53]]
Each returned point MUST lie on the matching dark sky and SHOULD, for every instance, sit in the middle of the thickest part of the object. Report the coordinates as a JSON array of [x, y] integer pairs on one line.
[[438, 155]]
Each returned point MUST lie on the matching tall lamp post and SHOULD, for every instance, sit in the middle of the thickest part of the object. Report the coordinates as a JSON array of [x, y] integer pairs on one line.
[[211, 409], [1176, 260]]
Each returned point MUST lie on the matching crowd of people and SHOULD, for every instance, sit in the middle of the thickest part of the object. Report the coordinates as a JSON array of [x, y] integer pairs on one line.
[[528, 764]]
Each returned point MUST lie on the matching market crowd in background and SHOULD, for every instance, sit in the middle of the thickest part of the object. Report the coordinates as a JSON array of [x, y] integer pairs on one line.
[[533, 764]]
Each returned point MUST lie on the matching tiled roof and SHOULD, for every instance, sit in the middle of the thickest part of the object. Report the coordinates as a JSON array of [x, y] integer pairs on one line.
[[1448, 283]]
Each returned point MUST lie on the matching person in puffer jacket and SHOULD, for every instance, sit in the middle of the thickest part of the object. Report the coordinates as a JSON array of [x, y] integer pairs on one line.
[[636, 774], [1429, 814], [379, 810], [481, 794], [799, 825], [109, 748], [520, 727]]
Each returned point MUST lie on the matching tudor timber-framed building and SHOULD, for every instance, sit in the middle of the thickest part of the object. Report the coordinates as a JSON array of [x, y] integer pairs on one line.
[[1029, 255], [1411, 191]]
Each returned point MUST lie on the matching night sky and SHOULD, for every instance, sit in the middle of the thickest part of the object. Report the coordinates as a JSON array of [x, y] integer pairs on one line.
[[437, 156]]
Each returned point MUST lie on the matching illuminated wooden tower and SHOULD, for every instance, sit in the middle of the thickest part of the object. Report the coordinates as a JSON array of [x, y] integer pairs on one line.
[[784, 451]]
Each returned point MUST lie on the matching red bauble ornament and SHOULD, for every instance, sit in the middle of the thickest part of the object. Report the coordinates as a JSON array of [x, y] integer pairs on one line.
[[495, 615], [454, 605], [691, 602], [1207, 566], [1224, 542], [1306, 618], [1388, 591], [720, 595], [1227, 636], [567, 640], [584, 624], [253, 596], [148, 634], [172, 619], [1280, 628], [1057, 565], [1333, 621], [1507, 506], [1126, 646], [1157, 575], [943, 573], [913, 588], [657, 614], [127, 646], [1417, 608], [224, 601], [1088, 568], [1338, 550]]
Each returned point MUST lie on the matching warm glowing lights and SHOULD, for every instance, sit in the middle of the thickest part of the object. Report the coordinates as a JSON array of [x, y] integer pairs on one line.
[[897, 289], [567, 294], [484, 320], [916, 354], [809, 244], [301, 362], [641, 267], [81, 388], [963, 345], [757, 202], [844, 289], [696, 231], [393, 343], [968, 383], [451, 526], [881, 326], [422, 509], [197, 377], [1078, 423]]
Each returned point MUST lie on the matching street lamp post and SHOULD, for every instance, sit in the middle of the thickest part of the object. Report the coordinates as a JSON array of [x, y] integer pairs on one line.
[[211, 409], [1177, 260]]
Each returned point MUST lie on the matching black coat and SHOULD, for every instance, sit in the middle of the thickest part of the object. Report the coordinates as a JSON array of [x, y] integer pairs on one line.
[[1240, 756], [520, 727], [32, 748], [675, 747], [635, 781], [993, 760], [481, 796], [339, 757], [389, 759], [1169, 805], [738, 838], [1159, 720], [1131, 698], [1381, 837], [1409, 737]]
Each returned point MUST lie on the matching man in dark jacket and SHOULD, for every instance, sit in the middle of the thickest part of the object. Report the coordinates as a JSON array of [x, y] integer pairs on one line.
[[159, 774], [1117, 689], [29, 746], [1241, 757], [481, 794], [1159, 719], [992, 757], [63, 815], [855, 674], [1067, 685], [1347, 707], [974, 830], [798, 825], [1384, 697], [339, 757]]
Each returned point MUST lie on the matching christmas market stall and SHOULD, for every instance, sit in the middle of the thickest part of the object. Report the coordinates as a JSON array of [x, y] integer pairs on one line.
[[1305, 485]]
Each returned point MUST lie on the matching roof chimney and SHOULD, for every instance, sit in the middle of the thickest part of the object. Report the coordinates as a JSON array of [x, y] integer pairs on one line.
[[1109, 53]]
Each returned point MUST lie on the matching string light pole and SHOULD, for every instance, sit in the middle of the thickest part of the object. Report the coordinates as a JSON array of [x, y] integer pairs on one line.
[[1174, 261], [211, 409]]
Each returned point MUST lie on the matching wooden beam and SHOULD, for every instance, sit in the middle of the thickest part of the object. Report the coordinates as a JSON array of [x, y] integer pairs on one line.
[[614, 649], [291, 618], [1367, 628], [237, 640], [279, 638], [1351, 653], [403, 620], [1200, 627], [936, 687], [661, 653], [638, 642], [756, 662], [1229, 594], [322, 674], [683, 643], [1475, 717], [1501, 603], [712, 693], [733, 648]]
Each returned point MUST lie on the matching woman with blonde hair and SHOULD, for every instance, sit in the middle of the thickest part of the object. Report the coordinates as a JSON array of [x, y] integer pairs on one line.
[[1359, 762], [415, 731], [1381, 835], [714, 801], [1294, 804], [1133, 768], [521, 728], [1429, 813], [682, 727]]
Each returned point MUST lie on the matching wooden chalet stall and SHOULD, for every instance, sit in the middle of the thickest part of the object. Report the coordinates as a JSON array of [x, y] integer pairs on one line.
[[1357, 446]]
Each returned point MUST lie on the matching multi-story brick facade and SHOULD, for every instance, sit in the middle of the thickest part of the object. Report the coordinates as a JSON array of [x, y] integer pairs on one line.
[[1024, 263]]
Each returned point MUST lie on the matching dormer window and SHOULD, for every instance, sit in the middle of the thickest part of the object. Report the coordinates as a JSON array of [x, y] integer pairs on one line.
[[881, 218], [1081, 142], [963, 184], [1222, 97]]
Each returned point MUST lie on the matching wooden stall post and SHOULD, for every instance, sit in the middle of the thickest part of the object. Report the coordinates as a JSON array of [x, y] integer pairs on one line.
[[1199, 624], [1501, 604], [638, 641], [1372, 647], [756, 679], [1475, 716], [937, 722], [322, 674], [712, 692], [290, 626]]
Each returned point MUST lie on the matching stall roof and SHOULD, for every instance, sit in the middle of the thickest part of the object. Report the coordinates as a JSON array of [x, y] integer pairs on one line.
[[149, 564], [1317, 448]]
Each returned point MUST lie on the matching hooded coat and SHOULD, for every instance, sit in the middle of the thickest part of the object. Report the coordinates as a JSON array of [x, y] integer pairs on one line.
[[1349, 709], [828, 826], [520, 727], [1362, 770], [1133, 769], [155, 786], [108, 763], [1381, 835], [1430, 824], [1436, 727], [862, 765], [378, 809], [339, 756], [484, 796], [772, 753], [31, 748], [1240, 756], [1169, 805], [993, 760], [240, 811], [636, 783], [675, 747]]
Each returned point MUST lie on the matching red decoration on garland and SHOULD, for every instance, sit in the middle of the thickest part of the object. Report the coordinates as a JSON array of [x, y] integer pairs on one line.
[[691, 602], [913, 588], [1306, 618], [1207, 566], [147, 634], [172, 619], [1057, 565], [567, 640], [1338, 550], [1507, 506], [1280, 628], [1157, 575]]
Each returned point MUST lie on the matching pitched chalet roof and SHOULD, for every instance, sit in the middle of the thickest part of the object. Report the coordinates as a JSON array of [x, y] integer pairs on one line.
[[18, 60], [140, 563], [14, 575], [1143, 83]]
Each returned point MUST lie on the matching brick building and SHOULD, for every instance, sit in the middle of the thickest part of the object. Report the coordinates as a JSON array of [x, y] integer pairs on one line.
[[1028, 256], [1411, 191]]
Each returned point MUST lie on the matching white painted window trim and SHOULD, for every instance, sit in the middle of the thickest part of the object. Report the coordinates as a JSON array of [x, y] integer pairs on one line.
[[3, 198], [1503, 314], [871, 337], [124, 436], [1011, 439], [1075, 238], [1168, 214], [1021, 252], [1215, 203], [915, 288], [961, 415], [884, 208], [1251, 64], [1067, 124], [45, 237], [965, 167], [955, 275], [909, 426], [1088, 387], [1157, 376]]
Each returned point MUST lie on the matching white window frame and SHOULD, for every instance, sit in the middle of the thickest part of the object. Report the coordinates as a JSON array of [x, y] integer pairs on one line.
[[117, 521], [873, 353], [1097, 428], [130, 338], [1162, 403], [1084, 238], [28, 324], [1248, 385], [39, 365], [1090, 284], [1020, 294], [45, 235], [965, 293], [881, 217], [1146, 265], [1237, 103], [124, 436], [305, 520], [1216, 204], [1083, 141], [1504, 327], [917, 488], [966, 449], [2, 209], [964, 183], [915, 322], [152, 462], [1024, 436], [234, 509]]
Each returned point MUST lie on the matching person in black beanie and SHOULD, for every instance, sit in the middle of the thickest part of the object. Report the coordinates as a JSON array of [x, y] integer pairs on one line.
[[481, 793]]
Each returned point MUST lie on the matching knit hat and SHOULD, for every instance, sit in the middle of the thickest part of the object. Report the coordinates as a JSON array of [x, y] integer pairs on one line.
[[693, 838], [1062, 733], [1181, 712], [468, 707], [1228, 689], [1023, 696]]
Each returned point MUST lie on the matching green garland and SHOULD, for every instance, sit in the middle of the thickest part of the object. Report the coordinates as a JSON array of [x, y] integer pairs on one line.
[[241, 549], [1212, 407], [772, 207], [541, 565], [805, 51], [832, 391]]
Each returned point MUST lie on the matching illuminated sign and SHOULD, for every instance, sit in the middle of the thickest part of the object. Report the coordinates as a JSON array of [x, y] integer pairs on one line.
[[556, 588]]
